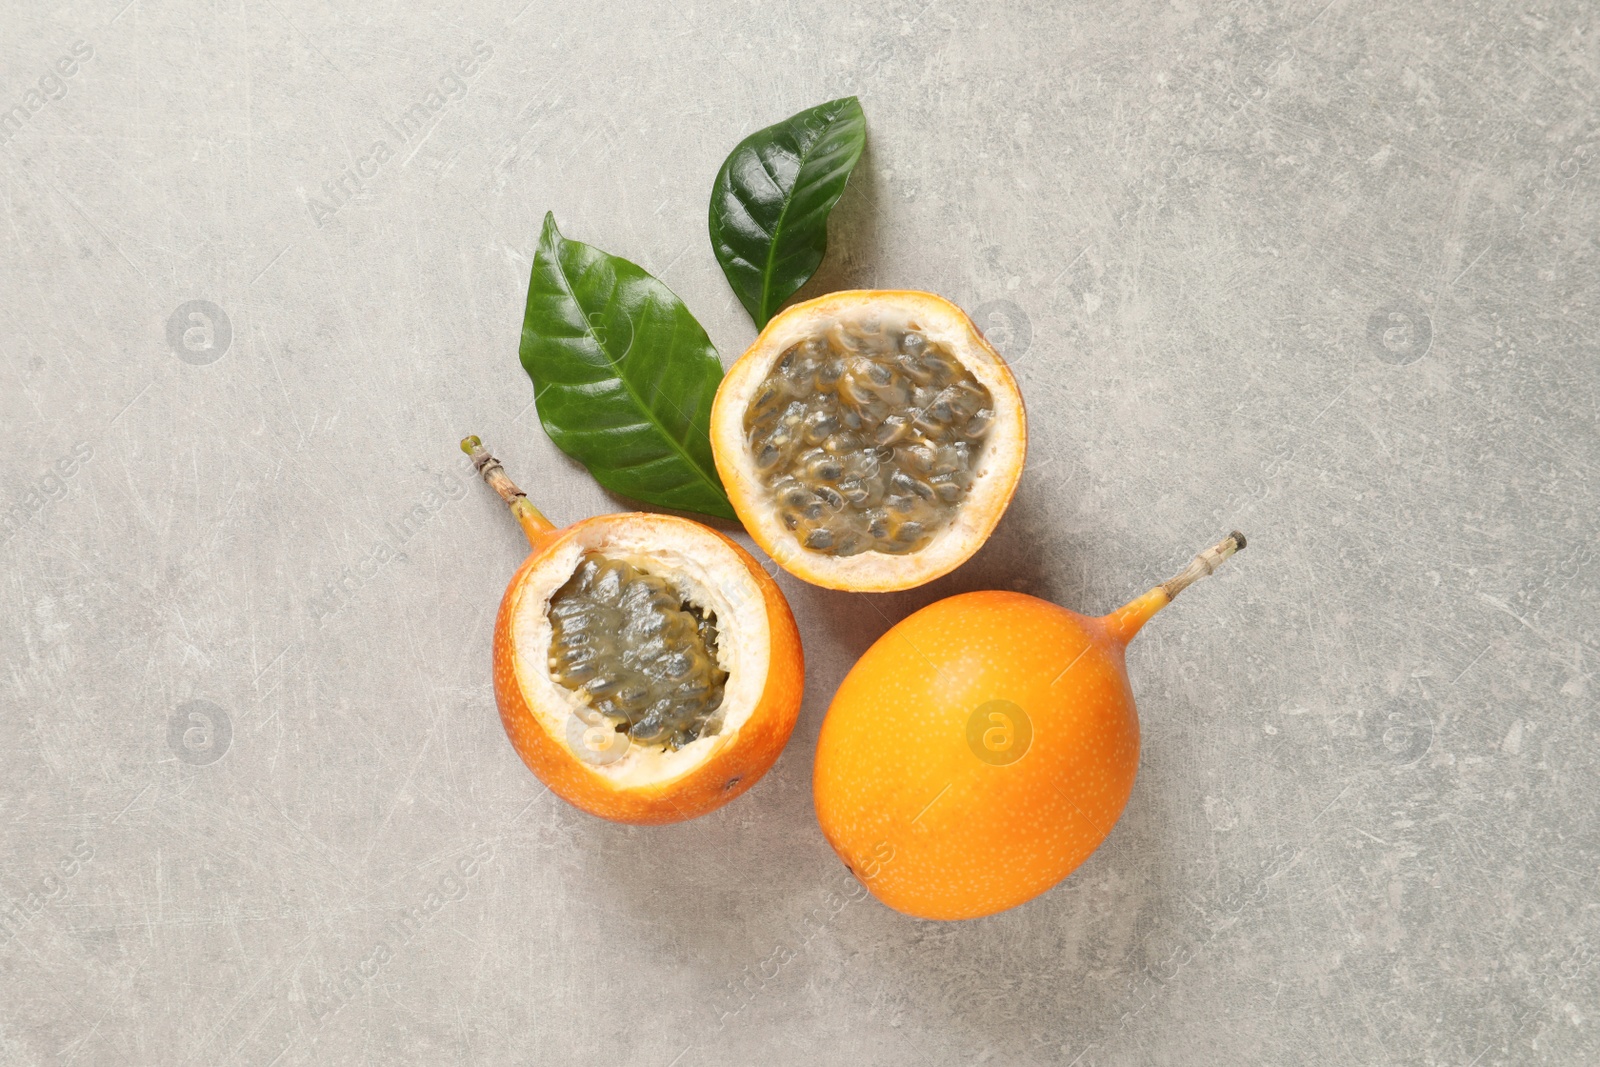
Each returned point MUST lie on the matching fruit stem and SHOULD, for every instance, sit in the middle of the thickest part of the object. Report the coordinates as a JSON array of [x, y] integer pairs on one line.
[[534, 524], [1123, 623]]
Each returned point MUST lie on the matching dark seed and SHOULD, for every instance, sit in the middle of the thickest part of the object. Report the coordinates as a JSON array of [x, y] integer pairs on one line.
[[850, 545], [893, 429], [819, 425], [798, 497], [854, 492], [948, 489], [648, 730], [819, 539], [979, 424]]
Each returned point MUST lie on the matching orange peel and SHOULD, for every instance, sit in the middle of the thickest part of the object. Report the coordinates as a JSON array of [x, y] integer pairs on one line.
[[984, 747]]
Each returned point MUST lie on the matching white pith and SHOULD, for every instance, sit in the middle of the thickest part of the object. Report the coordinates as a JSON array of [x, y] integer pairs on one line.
[[995, 475], [706, 571]]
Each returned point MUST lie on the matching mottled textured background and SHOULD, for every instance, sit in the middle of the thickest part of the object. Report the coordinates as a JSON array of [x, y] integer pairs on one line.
[[1324, 271]]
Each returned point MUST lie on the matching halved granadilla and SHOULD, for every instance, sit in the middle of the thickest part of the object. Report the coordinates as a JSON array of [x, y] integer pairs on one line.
[[870, 440], [647, 669]]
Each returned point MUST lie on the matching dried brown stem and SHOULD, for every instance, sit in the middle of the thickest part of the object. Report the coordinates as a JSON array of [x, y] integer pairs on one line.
[[1204, 564], [534, 524]]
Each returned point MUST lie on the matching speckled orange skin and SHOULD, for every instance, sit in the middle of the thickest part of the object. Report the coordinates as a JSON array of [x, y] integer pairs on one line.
[[932, 830], [727, 774]]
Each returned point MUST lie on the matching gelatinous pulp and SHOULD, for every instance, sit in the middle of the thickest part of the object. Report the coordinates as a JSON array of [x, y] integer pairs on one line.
[[639, 654], [867, 437]]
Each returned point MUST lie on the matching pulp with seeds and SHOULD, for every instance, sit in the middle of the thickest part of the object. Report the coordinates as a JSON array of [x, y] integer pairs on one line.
[[867, 437], [639, 654]]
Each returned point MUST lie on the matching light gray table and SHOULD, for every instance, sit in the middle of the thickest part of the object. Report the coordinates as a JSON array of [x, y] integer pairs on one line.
[[1323, 271]]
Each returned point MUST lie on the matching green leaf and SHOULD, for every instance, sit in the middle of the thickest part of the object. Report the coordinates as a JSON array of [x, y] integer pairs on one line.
[[772, 197], [623, 376]]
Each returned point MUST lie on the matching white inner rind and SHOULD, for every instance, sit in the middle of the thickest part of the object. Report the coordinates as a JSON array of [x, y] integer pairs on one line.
[[995, 474], [704, 570]]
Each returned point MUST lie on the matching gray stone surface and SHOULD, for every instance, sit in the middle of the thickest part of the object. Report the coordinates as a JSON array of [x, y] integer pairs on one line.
[[1323, 271]]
